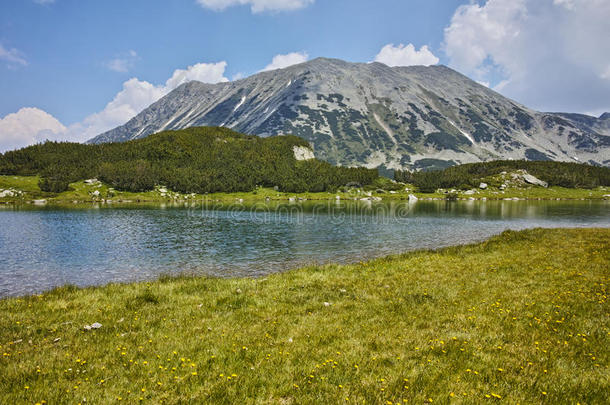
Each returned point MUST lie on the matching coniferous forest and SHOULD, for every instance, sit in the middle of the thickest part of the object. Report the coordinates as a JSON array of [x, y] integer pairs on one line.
[[563, 174], [193, 160]]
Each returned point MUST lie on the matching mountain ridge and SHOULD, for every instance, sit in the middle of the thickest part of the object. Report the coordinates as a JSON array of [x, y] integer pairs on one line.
[[370, 114]]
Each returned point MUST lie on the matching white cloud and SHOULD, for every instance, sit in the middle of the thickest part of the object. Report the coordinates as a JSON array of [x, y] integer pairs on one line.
[[12, 56], [44, 1], [547, 54], [237, 76], [282, 61], [27, 127], [123, 63], [137, 94], [406, 55], [257, 6], [202, 72]]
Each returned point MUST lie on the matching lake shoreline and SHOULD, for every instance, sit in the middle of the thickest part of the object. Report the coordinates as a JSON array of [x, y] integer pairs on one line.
[[164, 277], [295, 198], [323, 333], [25, 190]]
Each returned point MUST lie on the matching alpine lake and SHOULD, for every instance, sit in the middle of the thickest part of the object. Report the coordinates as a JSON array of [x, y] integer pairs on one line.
[[42, 247]]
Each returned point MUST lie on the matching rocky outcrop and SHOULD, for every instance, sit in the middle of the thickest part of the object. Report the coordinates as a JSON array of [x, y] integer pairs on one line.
[[302, 153], [534, 180]]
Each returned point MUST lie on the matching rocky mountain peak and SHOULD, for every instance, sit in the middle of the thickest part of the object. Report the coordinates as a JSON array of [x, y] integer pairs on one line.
[[371, 114]]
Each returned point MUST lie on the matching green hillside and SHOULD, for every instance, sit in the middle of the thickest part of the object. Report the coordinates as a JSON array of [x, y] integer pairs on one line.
[[193, 160], [561, 174]]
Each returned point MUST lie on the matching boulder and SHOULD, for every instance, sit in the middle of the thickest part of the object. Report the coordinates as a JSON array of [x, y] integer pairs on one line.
[[483, 186], [412, 198], [469, 192], [7, 193], [91, 181], [303, 153], [534, 180], [96, 193]]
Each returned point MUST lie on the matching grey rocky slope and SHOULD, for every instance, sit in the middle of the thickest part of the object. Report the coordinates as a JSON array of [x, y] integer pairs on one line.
[[371, 114]]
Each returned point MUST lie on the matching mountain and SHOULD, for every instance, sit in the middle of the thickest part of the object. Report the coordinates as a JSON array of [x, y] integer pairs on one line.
[[373, 115]]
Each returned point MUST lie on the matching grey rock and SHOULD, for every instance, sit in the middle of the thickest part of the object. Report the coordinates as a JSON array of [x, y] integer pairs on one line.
[[534, 180], [370, 114], [483, 186], [302, 153]]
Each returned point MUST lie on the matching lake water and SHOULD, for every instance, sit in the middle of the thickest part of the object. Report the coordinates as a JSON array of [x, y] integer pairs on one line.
[[41, 248]]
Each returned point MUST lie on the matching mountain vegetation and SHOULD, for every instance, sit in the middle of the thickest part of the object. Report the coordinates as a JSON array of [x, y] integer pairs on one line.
[[563, 174], [193, 160]]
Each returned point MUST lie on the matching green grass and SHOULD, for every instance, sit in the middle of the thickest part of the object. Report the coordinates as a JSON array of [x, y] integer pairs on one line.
[[520, 318], [81, 192]]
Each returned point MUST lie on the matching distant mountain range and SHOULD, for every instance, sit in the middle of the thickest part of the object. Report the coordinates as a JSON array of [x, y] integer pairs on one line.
[[369, 114]]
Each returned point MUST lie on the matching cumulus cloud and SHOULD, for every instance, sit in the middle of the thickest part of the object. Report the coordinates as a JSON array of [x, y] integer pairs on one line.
[[123, 63], [12, 57], [27, 127], [257, 6], [548, 54], [289, 59], [137, 94], [406, 55]]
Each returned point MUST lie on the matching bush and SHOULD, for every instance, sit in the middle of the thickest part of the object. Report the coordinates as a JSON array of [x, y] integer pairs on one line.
[[193, 160], [53, 185], [564, 174]]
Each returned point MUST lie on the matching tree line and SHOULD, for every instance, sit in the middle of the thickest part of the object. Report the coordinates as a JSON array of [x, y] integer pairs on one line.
[[192, 160], [564, 174]]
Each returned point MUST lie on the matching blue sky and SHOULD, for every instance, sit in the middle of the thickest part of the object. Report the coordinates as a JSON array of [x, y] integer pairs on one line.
[[69, 59], [67, 43]]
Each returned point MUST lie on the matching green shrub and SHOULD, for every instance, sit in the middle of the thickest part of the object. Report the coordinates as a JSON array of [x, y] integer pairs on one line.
[[564, 174], [193, 160]]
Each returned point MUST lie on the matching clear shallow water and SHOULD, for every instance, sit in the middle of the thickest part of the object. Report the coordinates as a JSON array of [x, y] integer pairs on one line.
[[47, 247]]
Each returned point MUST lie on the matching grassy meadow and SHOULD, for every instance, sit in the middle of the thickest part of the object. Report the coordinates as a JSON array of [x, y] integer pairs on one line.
[[520, 318], [80, 192]]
